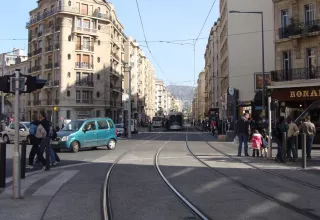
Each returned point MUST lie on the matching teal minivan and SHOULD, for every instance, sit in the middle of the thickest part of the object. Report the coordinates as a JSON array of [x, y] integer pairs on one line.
[[86, 133]]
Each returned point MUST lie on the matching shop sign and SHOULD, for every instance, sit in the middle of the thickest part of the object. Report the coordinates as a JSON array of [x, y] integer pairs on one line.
[[292, 94]]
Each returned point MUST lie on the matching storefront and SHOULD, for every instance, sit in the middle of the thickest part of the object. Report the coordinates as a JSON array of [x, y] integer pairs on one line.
[[293, 101]]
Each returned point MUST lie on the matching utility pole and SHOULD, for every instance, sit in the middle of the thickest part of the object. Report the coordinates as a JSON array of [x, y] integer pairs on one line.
[[129, 108], [16, 186], [2, 93]]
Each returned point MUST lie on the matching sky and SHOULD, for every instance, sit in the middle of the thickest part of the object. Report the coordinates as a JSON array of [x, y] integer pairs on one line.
[[163, 20]]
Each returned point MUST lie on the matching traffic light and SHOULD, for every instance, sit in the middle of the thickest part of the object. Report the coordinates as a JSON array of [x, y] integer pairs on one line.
[[5, 83], [33, 84], [28, 83]]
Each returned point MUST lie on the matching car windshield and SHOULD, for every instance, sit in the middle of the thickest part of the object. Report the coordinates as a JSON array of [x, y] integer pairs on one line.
[[119, 126], [27, 124], [73, 125]]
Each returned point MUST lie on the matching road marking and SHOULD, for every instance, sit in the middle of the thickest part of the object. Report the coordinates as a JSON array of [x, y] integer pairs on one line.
[[26, 183], [53, 186], [9, 179]]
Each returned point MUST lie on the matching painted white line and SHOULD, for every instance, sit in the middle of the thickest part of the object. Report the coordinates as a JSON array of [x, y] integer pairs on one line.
[[53, 186], [26, 183], [9, 179]]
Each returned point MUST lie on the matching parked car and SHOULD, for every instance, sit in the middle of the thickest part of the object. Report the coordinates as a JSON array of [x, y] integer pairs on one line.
[[120, 129], [9, 133], [86, 133]]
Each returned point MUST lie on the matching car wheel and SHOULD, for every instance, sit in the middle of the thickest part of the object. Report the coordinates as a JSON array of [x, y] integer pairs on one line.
[[6, 139], [75, 146], [112, 144]]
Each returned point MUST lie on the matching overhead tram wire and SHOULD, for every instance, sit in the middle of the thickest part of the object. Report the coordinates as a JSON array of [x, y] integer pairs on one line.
[[145, 38]]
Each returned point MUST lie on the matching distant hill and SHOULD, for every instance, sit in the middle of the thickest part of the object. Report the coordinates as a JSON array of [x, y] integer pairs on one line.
[[185, 93]]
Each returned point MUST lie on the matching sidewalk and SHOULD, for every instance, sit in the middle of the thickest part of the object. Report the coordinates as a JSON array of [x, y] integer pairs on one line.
[[66, 193], [232, 149]]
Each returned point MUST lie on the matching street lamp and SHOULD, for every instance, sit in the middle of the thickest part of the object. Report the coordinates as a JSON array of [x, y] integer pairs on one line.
[[263, 70]]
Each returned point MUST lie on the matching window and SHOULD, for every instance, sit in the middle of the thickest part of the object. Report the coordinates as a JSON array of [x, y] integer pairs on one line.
[[69, 3], [286, 60], [69, 74], [86, 43], [78, 77], [98, 94], [78, 96], [285, 18], [98, 113], [311, 58], [84, 9], [98, 76], [68, 93], [69, 56], [79, 22], [85, 95], [98, 42], [111, 125], [309, 14], [98, 59], [90, 126], [102, 124], [86, 23], [68, 114]]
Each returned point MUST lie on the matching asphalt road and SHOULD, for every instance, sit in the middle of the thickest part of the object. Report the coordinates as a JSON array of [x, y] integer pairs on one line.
[[137, 191]]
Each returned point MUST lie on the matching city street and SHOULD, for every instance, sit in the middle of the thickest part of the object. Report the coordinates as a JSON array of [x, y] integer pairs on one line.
[[166, 175]]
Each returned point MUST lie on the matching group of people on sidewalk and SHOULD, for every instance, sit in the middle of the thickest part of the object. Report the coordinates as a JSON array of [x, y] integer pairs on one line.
[[41, 131], [246, 130]]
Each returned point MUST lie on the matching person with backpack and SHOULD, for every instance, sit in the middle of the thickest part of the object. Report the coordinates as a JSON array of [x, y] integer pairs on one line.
[[242, 130], [45, 132], [308, 128], [34, 141]]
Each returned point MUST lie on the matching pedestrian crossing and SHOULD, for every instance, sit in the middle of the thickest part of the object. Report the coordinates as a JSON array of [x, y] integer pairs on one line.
[[55, 180]]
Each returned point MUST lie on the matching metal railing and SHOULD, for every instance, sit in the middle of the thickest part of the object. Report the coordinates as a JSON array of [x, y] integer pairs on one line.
[[87, 83], [295, 74], [83, 65], [299, 28], [84, 48]]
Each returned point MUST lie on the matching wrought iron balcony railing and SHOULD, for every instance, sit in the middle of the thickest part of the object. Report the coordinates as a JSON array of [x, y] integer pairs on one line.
[[299, 28], [295, 74]]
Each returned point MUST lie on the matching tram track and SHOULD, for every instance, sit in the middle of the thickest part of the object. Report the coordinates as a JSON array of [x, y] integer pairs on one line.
[[107, 200], [252, 189], [264, 170]]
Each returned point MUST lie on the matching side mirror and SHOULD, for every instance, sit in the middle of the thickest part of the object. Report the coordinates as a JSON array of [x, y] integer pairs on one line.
[[22, 129]]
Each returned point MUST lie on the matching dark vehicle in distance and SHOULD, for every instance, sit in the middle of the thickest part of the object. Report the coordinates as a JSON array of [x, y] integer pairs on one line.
[[175, 121]]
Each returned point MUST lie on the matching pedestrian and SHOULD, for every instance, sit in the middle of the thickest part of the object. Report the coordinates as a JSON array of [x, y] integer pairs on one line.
[[280, 128], [308, 128], [243, 133], [293, 132], [264, 147], [34, 141], [256, 142]]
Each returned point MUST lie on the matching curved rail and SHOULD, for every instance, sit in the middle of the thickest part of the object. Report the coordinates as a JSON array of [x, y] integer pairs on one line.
[[256, 191]]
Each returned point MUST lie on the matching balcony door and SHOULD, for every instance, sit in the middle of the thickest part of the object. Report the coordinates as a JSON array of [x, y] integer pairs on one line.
[[311, 60], [309, 14], [286, 65], [285, 20]]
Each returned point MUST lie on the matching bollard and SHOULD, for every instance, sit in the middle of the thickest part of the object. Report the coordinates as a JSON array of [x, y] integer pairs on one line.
[[47, 144], [284, 147], [304, 149], [297, 146], [23, 159], [3, 148]]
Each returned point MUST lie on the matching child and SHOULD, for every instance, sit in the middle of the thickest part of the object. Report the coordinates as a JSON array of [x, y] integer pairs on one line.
[[256, 142], [264, 148]]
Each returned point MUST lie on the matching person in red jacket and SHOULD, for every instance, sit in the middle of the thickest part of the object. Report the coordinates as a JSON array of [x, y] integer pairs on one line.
[[256, 142]]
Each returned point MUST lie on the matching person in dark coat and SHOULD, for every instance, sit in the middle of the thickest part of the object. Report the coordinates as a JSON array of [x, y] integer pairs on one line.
[[243, 133]]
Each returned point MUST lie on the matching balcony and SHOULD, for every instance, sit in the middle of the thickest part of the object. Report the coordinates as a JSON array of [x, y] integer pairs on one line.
[[85, 48], [57, 28], [48, 31], [100, 15], [299, 29], [86, 83], [48, 66], [36, 102], [115, 56], [83, 65], [116, 88], [49, 83], [49, 48], [85, 30], [295, 74], [56, 65], [86, 101], [56, 83], [35, 69], [37, 51]]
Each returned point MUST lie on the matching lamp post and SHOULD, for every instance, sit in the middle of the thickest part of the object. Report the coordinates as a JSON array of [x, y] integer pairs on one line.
[[263, 70]]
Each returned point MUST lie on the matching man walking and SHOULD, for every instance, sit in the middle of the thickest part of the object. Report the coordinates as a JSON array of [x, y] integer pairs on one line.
[[243, 133], [293, 132], [309, 129]]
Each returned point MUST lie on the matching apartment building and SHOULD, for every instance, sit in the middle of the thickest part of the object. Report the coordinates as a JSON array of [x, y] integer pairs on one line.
[[178, 105], [296, 78], [12, 58], [24, 98], [142, 81], [212, 66], [201, 97], [78, 47], [241, 54], [161, 97]]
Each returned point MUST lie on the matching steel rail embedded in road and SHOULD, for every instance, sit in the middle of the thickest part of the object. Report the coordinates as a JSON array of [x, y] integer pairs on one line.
[[264, 170], [106, 200], [185, 201], [256, 191]]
